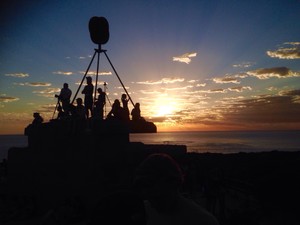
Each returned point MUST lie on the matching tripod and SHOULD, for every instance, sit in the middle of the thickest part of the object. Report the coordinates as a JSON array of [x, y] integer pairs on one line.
[[57, 105], [105, 89], [98, 52]]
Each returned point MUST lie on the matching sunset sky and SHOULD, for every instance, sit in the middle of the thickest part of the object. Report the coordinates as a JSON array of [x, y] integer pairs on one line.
[[192, 65]]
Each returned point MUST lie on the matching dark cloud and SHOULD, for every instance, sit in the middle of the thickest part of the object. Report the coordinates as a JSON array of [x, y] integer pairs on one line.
[[292, 52], [226, 80], [8, 99], [271, 109], [279, 72]]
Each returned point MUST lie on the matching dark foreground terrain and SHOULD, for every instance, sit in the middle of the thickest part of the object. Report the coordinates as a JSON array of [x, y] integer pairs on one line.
[[243, 188]]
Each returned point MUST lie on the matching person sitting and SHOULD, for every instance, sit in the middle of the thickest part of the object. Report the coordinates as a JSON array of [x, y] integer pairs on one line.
[[117, 112], [158, 180], [136, 112], [37, 119], [61, 114], [80, 112]]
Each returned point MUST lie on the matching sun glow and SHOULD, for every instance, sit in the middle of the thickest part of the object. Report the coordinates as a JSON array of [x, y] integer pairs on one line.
[[164, 110], [164, 107]]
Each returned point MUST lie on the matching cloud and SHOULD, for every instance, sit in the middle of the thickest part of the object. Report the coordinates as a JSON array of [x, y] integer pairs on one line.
[[7, 99], [264, 110], [94, 73], [226, 80], [241, 75], [162, 81], [99, 83], [34, 84], [185, 58], [220, 90], [279, 72], [177, 88], [240, 88], [271, 88], [63, 73], [243, 65], [201, 85], [294, 94], [286, 53], [20, 75], [48, 92], [290, 93]]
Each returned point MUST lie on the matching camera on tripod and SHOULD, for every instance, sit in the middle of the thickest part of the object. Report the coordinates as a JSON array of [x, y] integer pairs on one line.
[[57, 96]]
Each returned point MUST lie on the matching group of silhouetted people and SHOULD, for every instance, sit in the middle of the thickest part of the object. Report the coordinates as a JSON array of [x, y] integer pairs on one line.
[[94, 107]]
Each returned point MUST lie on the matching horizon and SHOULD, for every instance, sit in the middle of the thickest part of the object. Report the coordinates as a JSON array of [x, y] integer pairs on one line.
[[193, 66]]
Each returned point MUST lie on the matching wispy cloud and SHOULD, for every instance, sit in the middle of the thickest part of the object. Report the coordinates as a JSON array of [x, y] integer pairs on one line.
[[162, 81], [226, 80], [292, 52], [243, 65], [185, 58], [240, 88], [20, 75], [279, 72], [94, 73], [212, 91], [63, 73], [6, 99], [178, 88], [48, 92], [201, 85], [34, 84]]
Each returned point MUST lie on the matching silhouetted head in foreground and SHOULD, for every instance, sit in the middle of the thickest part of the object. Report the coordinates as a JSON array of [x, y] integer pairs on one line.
[[121, 207], [158, 179]]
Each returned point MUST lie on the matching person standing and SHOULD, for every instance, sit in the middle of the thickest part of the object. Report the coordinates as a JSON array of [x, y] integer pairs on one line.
[[125, 105], [99, 105], [88, 96], [64, 97]]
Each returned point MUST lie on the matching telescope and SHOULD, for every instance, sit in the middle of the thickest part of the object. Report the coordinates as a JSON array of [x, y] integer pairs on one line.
[[99, 30]]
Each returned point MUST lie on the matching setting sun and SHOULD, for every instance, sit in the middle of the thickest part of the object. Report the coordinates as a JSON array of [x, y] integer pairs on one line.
[[165, 106], [164, 110]]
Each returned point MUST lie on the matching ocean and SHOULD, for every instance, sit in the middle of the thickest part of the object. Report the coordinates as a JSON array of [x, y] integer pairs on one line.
[[200, 142]]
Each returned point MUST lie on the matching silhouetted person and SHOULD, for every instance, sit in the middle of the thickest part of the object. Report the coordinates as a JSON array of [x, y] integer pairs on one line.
[[119, 208], [88, 96], [99, 105], [37, 119], [125, 104], [158, 179], [61, 114], [117, 112], [136, 112], [80, 112], [64, 97]]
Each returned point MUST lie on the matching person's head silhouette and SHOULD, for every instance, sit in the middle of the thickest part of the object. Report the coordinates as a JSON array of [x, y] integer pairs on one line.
[[158, 179]]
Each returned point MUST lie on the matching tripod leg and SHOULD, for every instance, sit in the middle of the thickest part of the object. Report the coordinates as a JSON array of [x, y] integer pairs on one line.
[[118, 77], [86, 72], [55, 108]]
